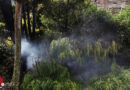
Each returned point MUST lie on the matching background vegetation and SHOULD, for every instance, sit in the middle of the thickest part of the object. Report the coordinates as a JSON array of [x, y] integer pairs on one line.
[[77, 32]]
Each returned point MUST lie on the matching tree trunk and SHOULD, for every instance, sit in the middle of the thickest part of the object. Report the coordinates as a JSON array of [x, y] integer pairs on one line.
[[66, 18], [17, 58], [59, 21], [28, 15], [25, 24], [34, 17]]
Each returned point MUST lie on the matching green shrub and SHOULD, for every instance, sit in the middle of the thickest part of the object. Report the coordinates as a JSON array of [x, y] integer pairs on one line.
[[2, 28], [118, 79], [28, 78], [6, 61], [66, 49], [51, 70], [50, 76], [61, 48], [49, 85], [124, 20], [124, 16], [55, 85]]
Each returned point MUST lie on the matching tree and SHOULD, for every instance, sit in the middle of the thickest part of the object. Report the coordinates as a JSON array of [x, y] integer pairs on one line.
[[17, 58], [28, 16], [7, 12], [66, 18], [24, 18], [124, 19], [34, 16]]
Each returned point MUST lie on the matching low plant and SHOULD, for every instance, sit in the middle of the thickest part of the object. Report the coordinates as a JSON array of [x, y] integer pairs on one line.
[[49, 76], [118, 79]]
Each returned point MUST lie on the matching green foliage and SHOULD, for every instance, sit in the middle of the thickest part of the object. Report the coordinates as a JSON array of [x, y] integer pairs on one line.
[[6, 61], [27, 79], [49, 27], [61, 48], [105, 16], [3, 47], [2, 25], [52, 17], [53, 14], [94, 14], [50, 76], [66, 49], [50, 85], [2, 28], [88, 49], [51, 70], [124, 16], [55, 85], [124, 19], [115, 68], [47, 22], [118, 79]]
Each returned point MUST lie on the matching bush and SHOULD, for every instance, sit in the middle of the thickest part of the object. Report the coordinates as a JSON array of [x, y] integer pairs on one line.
[[2, 25], [124, 16], [47, 84], [50, 76], [69, 49], [6, 61], [61, 48], [119, 79], [2, 29], [124, 19], [51, 70], [27, 79], [55, 85]]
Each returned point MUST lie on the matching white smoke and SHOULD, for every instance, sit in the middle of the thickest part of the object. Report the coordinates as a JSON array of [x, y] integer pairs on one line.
[[31, 52], [34, 52]]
